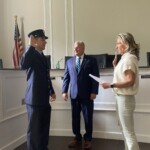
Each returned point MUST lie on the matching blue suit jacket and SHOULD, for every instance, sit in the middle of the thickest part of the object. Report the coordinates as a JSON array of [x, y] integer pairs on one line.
[[80, 83], [39, 85]]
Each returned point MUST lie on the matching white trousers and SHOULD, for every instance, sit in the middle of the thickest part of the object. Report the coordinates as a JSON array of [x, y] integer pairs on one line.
[[125, 105]]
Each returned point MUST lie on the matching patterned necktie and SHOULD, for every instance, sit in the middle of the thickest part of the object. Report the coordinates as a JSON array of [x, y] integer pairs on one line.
[[78, 64]]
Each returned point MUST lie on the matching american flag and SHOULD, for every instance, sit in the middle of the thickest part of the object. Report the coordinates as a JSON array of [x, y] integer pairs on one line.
[[18, 47]]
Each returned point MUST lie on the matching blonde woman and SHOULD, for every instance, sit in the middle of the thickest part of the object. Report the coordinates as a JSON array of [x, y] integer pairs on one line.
[[125, 85]]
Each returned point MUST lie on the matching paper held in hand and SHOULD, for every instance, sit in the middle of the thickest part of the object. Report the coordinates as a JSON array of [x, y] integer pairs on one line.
[[96, 78]]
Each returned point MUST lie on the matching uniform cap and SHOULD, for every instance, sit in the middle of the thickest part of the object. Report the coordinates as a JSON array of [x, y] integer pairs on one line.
[[38, 33]]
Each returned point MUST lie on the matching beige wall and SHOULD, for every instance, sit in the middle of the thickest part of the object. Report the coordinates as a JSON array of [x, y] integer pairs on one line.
[[96, 22], [31, 11], [99, 21]]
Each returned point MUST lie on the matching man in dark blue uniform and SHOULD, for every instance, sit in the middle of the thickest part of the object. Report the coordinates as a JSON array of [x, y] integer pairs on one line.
[[83, 91], [38, 92]]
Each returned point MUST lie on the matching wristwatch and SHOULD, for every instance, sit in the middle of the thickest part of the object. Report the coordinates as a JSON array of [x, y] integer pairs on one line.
[[112, 85]]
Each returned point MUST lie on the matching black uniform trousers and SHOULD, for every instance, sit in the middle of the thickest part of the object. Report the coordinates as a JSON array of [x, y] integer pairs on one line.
[[38, 127], [86, 107]]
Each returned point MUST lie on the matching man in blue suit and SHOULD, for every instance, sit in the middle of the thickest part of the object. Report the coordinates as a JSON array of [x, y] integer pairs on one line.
[[83, 91], [39, 90]]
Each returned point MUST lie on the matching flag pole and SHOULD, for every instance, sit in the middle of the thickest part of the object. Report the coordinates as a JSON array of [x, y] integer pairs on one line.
[[15, 19]]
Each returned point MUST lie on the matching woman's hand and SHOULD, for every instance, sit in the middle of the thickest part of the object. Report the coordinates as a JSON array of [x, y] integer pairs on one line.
[[105, 85], [114, 63]]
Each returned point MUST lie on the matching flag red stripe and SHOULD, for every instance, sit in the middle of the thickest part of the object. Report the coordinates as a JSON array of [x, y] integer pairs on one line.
[[18, 47]]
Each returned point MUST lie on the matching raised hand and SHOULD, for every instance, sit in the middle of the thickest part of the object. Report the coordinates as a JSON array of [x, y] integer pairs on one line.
[[114, 63]]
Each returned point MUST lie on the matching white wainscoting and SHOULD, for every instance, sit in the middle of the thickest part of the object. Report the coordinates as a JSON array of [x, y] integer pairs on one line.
[[105, 121], [13, 93], [13, 117]]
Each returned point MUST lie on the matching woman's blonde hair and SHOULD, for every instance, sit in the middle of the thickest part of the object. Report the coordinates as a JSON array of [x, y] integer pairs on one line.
[[128, 39]]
